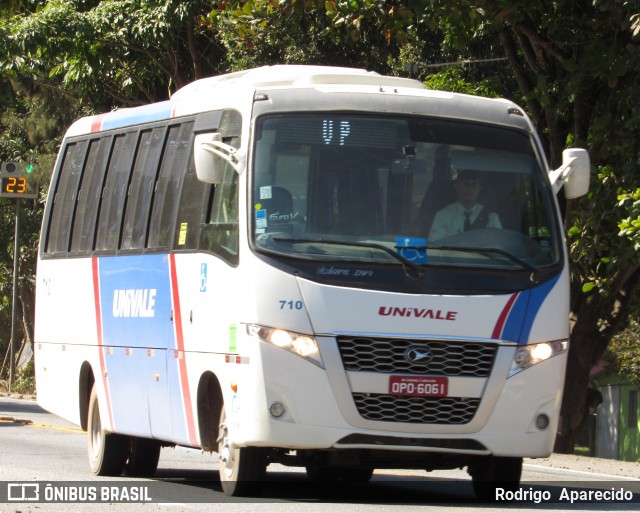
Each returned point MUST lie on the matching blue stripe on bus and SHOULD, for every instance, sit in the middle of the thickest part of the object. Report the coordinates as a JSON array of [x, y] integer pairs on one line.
[[537, 297], [513, 324], [518, 325], [138, 115]]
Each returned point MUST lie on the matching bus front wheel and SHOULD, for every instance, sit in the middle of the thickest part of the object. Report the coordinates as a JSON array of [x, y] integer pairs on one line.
[[242, 469], [107, 451], [492, 472], [351, 475]]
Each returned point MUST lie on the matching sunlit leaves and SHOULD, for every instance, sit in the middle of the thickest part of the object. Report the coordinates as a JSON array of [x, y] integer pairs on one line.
[[111, 52], [624, 352], [630, 225]]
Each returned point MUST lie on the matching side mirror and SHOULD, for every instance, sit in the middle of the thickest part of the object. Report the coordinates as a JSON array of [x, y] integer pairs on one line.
[[211, 156], [574, 173]]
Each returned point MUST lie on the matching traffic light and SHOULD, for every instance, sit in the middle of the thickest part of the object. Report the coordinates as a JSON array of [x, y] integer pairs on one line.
[[16, 181]]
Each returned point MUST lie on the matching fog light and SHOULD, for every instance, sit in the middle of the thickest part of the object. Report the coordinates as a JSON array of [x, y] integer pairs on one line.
[[542, 421], [277, 409]]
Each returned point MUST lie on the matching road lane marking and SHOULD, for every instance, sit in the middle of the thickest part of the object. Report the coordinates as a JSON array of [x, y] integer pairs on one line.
[[30, 423], [581, 472]]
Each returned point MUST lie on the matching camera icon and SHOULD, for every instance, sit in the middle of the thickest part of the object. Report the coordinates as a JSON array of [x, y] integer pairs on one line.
[[23, 492]]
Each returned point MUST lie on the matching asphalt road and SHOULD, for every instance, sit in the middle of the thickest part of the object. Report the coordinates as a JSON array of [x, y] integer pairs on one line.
[[38, 448]]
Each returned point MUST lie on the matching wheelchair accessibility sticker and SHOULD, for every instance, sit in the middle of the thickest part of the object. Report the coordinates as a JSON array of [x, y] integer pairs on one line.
[[413, 249]]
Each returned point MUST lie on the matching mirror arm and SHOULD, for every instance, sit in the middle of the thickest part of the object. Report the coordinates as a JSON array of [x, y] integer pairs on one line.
[[559, 176], [226, 152]]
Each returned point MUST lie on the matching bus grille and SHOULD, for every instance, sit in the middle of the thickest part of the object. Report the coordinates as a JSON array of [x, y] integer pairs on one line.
[[419, 410], [387, 355]]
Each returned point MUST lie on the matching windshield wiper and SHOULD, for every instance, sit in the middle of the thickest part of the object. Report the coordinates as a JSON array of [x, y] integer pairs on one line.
[[417, 271], [489, 251]]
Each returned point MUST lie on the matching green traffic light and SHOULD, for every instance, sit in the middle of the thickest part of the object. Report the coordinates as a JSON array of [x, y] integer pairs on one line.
[[28, 168]]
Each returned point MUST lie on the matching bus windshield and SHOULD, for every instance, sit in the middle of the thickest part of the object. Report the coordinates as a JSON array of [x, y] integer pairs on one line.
[[401, 190]]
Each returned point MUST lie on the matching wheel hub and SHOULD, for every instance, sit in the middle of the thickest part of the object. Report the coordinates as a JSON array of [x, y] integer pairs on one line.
[[225, 451]]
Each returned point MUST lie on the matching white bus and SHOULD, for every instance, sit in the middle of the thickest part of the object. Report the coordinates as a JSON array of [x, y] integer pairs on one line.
[[268, 266]]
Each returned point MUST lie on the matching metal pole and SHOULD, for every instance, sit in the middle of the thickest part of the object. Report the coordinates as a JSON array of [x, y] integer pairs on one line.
[[14, 301]]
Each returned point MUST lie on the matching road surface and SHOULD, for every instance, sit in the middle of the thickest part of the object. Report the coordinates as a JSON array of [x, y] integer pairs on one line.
[[39, 449]]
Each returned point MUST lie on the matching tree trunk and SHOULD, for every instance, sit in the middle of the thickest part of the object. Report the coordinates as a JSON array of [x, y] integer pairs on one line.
[[27, 302], [584, 351], [573, 407]]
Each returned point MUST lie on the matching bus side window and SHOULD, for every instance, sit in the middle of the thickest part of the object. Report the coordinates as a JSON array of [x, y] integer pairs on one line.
[[64, 198], [84, 224], [190, 210], [114, 194], [219, 231], [143, 180], [220, 234], [165, 201]]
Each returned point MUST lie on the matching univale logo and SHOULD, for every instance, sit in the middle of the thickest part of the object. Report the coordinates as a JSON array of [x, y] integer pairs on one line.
[[421, 313], [134, 302]]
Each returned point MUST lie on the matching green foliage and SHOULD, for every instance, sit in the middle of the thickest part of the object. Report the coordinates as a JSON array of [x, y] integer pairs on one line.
[[624, 352], [453, 79], [30, 129], [24, 382], [344, 33], [111, 52], [630, 225], [604, 236]]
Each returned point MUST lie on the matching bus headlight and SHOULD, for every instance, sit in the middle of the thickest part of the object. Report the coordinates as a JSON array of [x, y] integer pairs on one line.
[[529, 355], [305, 346]]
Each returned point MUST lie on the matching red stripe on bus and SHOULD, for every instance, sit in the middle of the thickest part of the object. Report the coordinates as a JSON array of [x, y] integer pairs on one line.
[[103, 364], [182, 363], [96, 122], [497, 330]]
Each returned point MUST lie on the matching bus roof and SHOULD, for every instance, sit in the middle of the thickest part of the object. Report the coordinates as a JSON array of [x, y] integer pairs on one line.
[[263, 77], [201, 95]]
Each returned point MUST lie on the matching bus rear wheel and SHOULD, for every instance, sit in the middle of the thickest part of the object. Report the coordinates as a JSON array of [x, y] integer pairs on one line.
[[142, 458], [107, 451], [242, 469]]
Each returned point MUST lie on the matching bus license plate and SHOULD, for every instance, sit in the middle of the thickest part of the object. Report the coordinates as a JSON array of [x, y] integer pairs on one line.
[[418, 386]]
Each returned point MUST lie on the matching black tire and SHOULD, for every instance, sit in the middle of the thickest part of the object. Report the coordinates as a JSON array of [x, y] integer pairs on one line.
[[107, 451], [494, 472], [143, 457], [359, 475], [329, 474], [322, 474], [242, 469]]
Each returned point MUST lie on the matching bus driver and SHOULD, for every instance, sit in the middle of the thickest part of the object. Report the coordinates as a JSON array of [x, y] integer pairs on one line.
[[465, 213]]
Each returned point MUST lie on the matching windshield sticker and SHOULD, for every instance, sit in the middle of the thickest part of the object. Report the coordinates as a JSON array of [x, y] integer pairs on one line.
[[265, 192], [261, 218], [413, 249], [182, 236]]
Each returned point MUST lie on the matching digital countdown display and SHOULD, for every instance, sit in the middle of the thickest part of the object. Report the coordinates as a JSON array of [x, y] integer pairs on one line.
[[14, 185], [15, 181]]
